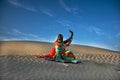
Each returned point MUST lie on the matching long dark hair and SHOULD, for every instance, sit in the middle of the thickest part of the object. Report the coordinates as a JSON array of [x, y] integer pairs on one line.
[[59, 38]]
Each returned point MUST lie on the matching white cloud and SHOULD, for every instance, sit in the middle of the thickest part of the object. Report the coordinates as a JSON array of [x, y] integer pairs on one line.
[[19, 33], [73, 10], [15, 34], [18, 4], [47, 12], [97, 30], [64, 23], [62, 3], [118, 34], [117, 46]]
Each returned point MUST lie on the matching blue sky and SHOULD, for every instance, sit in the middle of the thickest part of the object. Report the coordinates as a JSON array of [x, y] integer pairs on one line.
[[94, 22]]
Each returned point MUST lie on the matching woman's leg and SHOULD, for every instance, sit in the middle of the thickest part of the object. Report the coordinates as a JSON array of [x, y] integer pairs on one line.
[[68, 53], [68, 59], [49, 55], [59, 58]]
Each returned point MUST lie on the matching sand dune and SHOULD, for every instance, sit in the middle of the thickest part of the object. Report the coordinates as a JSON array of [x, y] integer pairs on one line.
[[17, 62], [34, 48]]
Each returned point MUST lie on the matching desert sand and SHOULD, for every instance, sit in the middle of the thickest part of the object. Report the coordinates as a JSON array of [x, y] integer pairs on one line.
[[18, 62]]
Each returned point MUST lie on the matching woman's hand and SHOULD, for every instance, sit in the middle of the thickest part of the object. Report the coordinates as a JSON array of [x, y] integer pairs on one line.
[[71, 32], [71, 36]]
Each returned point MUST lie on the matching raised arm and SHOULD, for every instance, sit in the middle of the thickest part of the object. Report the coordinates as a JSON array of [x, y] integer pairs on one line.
[[69, 40]]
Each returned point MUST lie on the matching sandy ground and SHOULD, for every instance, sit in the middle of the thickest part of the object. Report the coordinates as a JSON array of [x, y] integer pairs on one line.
[[17, 62]]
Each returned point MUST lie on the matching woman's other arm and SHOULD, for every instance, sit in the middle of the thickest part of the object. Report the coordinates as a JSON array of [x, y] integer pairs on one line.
[[69, 40]]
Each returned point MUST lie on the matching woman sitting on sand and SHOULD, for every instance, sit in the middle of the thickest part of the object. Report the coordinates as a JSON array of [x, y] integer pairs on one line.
[[59, 53]]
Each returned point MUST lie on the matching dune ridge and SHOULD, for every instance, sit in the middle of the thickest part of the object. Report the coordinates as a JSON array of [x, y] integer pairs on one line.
[[34, 48]]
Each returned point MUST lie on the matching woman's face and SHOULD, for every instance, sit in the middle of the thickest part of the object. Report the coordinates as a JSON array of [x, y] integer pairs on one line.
[[60, 38]]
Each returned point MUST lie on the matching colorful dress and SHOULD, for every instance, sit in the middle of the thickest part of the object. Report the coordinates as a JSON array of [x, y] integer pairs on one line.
[[62, 54]]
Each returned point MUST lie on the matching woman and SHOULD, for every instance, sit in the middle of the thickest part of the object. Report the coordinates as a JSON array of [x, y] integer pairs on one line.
[[58, 52]]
